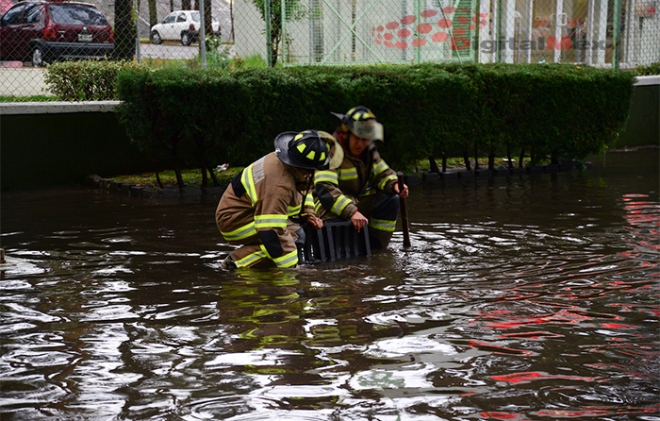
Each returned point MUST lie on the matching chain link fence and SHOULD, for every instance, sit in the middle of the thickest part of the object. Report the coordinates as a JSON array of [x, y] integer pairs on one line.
[[605, 33]]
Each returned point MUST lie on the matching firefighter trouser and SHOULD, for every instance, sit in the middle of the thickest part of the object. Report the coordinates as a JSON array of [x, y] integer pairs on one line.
[[251, 253]]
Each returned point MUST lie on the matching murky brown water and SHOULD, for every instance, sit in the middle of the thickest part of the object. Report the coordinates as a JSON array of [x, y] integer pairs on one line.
[[521, 298]]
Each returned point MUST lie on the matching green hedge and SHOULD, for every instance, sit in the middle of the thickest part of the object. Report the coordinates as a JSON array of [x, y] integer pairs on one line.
[[86, 80], [206, 117]]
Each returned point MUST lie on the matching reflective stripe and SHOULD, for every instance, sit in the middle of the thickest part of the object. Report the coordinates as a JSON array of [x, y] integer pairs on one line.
[[285, 261], [369, 192], [248, 182], [325, 177], [251, 259], [240, 233], [270, 221], [294, 210], [340, 204], [318, 207], [382, 183], [347, 173], [382, 224], [309, 200], [380, 167]]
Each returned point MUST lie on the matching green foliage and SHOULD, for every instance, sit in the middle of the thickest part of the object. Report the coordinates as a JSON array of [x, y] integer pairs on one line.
[[650, 70], [88, 80], [232, 114]]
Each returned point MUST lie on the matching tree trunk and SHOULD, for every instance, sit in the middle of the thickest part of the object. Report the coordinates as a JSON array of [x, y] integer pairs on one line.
[[491, 161], [433, 165], [466, 158], [124, 30], [508, 156], [186, 5], [476, 156], [444, 162], [153, 13], [208, 14], [522, 158]]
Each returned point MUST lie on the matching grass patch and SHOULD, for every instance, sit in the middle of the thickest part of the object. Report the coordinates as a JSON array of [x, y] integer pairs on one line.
[[36, 98], [191, 178]]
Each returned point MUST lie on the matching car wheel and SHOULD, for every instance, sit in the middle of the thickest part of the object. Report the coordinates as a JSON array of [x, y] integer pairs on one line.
[[155, 38], [38, 57], [185, 38]]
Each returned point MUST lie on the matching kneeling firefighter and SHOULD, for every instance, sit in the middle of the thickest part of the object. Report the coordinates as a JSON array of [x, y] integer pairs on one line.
[[258, 208], [363, 189]]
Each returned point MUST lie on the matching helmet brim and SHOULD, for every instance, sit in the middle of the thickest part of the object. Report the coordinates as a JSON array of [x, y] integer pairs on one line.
[[337, 155]]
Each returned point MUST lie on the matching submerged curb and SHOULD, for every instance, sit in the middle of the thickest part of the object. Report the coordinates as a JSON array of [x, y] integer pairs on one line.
[[451, 175], [456, 174], [139, 190]]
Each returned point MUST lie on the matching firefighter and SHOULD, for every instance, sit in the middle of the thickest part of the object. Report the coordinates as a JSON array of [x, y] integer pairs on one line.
[[257, 208], [363, 189]]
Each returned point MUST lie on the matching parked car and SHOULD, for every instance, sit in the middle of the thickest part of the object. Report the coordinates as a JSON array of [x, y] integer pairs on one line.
[[181, 25], [44, 32]]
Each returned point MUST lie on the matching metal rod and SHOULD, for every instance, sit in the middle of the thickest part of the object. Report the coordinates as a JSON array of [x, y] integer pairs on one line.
[[404, 214]]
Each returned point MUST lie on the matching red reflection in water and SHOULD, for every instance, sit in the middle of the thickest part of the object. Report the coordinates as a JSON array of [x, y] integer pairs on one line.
[[497, 349], [530, 376], [596, 411], [501, 416]]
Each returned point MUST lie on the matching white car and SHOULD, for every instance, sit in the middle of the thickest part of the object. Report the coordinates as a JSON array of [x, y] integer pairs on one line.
[[181, 25]]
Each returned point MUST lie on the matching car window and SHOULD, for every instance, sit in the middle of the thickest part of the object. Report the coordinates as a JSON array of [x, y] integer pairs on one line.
[[32, 14], [76, 14], [13, 15], [169, 19], [195, 16], [181, 18]]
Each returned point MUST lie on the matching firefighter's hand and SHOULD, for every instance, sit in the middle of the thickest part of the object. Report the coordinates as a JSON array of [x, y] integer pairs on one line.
[[314, 221], [403, 193], [359, 221]]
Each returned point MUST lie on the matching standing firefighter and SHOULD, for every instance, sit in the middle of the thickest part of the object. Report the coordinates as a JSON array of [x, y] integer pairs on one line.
[[256, 209], [363, 188]]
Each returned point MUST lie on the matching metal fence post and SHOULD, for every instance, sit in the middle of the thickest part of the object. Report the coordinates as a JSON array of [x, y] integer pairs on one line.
[[269, 49], [616, 34], [202, 34], [136, 16]]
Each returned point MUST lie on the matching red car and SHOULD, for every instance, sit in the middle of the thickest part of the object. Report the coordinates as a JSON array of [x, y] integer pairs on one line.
[[47, 31]]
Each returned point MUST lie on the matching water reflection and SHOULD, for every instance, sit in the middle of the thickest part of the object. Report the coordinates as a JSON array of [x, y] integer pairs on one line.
[[520, 298]]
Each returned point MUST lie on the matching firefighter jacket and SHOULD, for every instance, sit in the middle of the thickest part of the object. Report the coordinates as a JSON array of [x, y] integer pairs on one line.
[[339, 190], [255, 211]]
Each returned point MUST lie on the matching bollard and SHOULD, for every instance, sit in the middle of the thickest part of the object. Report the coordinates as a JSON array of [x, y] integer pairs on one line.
[[2, 257]]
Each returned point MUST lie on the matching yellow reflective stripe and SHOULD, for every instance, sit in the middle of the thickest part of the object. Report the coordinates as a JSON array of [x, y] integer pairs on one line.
[[294, 210], [270, 221], [340, 204], [379, 168], [382, 224], [309, 200], [250, 259], [324, 176], [347, 173], [383, 182], [284, 261], [240, 233], [318, 207], [247, 179]]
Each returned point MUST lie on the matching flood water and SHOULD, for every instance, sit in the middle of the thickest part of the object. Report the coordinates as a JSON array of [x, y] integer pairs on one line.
[[532, 297]]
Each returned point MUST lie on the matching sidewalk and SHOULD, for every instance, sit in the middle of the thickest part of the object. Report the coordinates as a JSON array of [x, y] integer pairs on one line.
[[22, 81]]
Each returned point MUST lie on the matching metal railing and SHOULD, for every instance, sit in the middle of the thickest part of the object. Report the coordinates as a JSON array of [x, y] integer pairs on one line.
[[605, 33]]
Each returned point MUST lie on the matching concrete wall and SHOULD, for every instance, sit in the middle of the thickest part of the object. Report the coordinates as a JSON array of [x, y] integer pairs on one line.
[[45, 144], [644, 123]]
